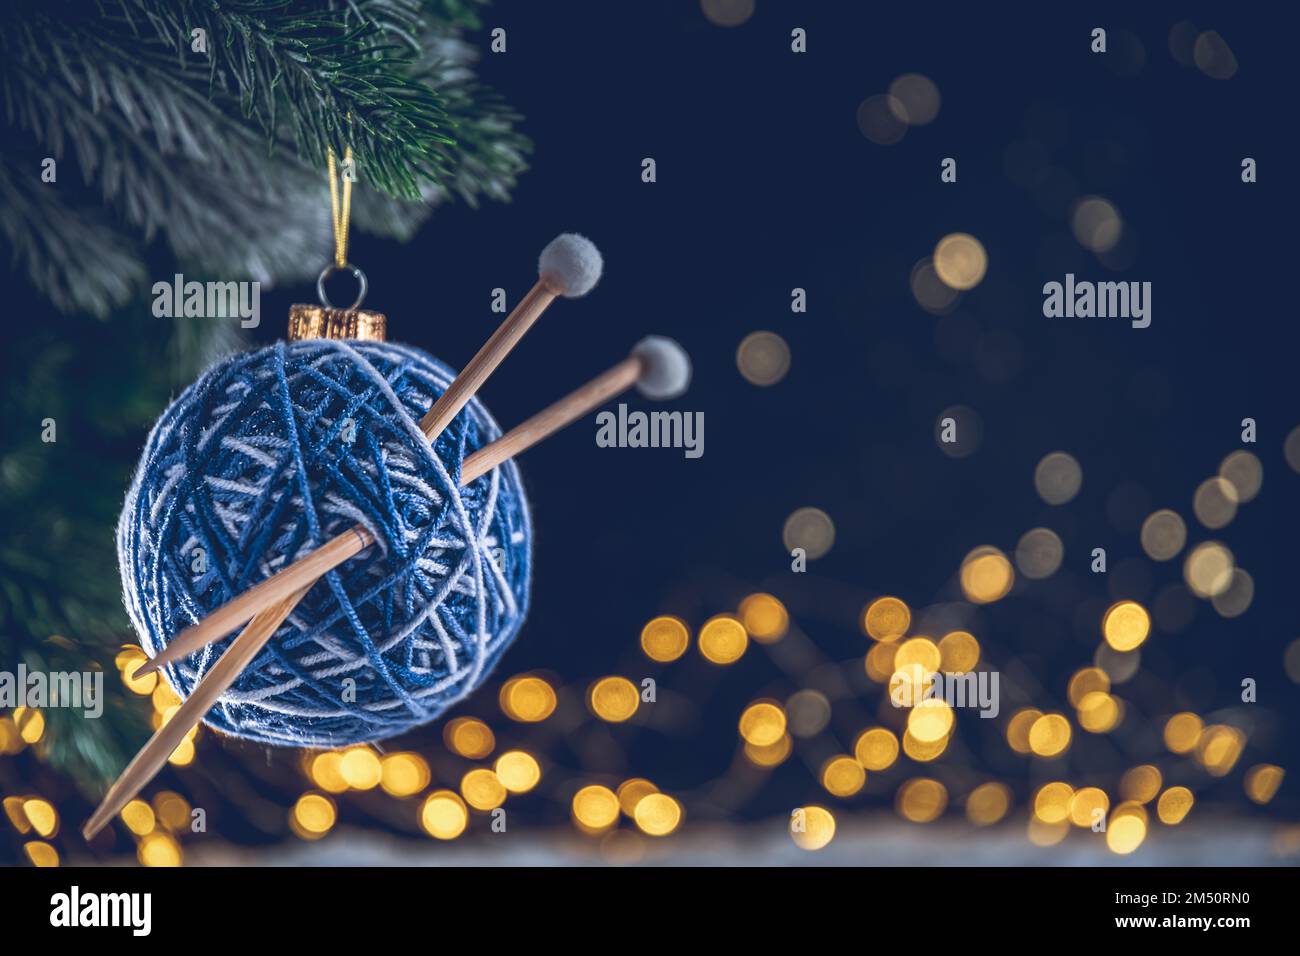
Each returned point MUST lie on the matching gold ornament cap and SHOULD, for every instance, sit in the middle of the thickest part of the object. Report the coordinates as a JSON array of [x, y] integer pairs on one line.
[[325, 322]]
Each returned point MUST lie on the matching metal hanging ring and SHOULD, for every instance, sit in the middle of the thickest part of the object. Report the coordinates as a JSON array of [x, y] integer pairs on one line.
[[329, 270]]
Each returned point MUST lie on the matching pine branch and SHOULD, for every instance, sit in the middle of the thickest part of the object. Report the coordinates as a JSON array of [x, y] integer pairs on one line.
[[326, 75], [222, 158]]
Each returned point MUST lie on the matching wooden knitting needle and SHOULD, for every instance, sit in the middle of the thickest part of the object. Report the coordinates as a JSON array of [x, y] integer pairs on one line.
[[658, 366], [570, 266], [168, 737]]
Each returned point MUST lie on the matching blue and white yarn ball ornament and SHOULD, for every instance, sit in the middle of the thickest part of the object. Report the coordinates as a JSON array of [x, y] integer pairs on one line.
[[272, 453]]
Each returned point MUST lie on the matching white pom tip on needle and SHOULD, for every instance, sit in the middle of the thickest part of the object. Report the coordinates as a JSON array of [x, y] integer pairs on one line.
[[570, 264], [665, 368]]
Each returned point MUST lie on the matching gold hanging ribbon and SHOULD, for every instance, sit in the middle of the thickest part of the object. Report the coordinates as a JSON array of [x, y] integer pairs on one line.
[[324, 321], [340, 218]]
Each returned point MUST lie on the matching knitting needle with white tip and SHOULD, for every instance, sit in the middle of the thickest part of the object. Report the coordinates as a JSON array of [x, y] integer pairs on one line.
[[660, 369], [570, 265]]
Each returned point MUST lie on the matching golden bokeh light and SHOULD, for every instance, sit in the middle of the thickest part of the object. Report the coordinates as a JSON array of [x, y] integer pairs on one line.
[[173, 811], [665, 638], [313, 816], [164, 697], [41, 854], [986, 575], [43, 817], [930, 721], [1125, 832], [129, 658], [988, 803], [325, 770], [444, 815], [762, 723], [918, 652], [876, 748], [1262, 782], [1018, 729], [127, 661], [923, 751], [1182, 732], [1085, 681], [723, 639], [657, 814], [403, 774], [1099, 712], [909, 685], [159, 849], [469, 738], [1163, 535], [30, 723], [921, 800], [527, 699], [595, 808], [614, 699], [886, 619], [518, 771], [770, 756], [631, 792], [1088, 806], [1049, 735], [139, 817], [1058, 478], [482, 789], [361, 769], [13, 807], [1174, 804], [764, 617], [843, 776], [763, 358], [1126, 625], [1140, 784], [959, 652], [1052, 801], [183, 755], [879, 662], [960, 261], [1208, 569], [1219, 748], [11, 741], [812, 827]]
